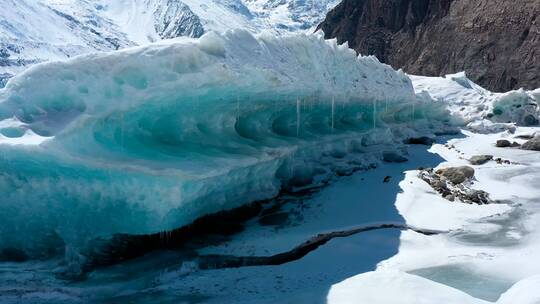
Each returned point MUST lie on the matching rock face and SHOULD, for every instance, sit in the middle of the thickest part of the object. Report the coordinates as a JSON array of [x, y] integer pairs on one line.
[[497, 42], [175, 20]]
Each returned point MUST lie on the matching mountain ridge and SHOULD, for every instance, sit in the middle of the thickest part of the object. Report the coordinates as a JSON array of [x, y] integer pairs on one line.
[[33, 31], [497, 42]]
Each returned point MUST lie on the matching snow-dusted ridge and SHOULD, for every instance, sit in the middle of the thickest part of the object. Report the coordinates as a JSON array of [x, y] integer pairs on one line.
[[33, 31]]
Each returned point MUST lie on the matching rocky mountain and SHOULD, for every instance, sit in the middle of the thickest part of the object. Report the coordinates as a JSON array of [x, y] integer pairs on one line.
[[497, 42], [33, 31]]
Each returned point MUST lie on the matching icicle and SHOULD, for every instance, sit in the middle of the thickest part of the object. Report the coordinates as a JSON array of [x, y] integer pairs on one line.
[[333, 110], [122, 129], [413, 109], [237, 108], [374, 113], [298, 116]]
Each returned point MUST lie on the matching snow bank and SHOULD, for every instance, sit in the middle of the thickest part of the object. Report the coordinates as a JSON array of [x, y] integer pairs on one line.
[[523, 292], [148, 139], [401, 287], [482, 110], [396, 287]]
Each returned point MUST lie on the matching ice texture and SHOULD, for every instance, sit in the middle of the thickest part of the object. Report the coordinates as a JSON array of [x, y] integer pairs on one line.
[[148, 139]]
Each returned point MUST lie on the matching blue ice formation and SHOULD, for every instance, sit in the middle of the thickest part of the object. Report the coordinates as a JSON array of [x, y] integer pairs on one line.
[[148, 139]]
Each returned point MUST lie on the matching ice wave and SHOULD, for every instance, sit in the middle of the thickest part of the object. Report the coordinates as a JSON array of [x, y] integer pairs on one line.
[[148, 139]]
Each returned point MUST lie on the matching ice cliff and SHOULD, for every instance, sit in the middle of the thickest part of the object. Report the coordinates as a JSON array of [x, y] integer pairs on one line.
[[148, 139]]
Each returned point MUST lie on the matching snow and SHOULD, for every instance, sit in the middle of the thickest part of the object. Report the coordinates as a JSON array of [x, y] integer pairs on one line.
[[148, 139], [421, 206], [395, 287], [33, 31], [487, 248], [484, 111], [524, 291]]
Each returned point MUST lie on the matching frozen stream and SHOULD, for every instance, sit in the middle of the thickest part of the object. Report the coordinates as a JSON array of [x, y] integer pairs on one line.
[[363, 198], [481, 236]]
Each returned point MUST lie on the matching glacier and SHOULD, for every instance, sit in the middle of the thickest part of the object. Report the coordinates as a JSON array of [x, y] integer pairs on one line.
[[148, 139]]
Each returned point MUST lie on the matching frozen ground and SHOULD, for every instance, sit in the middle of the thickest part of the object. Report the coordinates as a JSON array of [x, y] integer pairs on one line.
[[490, 248]]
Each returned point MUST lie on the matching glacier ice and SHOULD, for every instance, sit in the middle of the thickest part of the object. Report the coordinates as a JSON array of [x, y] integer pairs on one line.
[[148, 139]]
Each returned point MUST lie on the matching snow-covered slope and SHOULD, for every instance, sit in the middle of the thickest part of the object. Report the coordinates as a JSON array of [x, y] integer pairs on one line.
[[33, 31]]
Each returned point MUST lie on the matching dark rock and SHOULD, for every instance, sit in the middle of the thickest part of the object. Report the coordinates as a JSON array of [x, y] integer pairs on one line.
[[387, 179], [477, 196], [423, 140], [456, 175], [393, 157], [503, 143], [480, 159], [533, 144], [495, 42], [448, 182]]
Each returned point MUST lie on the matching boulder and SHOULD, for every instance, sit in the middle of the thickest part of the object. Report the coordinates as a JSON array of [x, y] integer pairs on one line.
[[533, 144], [480, 159], [503, 143], [456, 175]]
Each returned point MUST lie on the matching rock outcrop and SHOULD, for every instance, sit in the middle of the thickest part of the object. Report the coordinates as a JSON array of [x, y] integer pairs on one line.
[[454, 184], [532, 144], [497, 42]]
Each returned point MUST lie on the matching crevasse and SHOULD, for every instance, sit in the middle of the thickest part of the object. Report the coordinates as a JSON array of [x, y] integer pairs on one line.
[[150, 138]]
